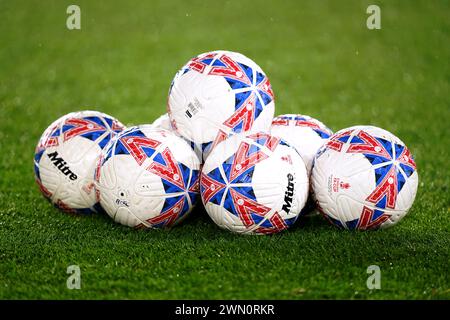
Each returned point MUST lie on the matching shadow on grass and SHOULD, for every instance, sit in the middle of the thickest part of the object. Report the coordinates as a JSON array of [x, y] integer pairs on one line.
[[310, 236]]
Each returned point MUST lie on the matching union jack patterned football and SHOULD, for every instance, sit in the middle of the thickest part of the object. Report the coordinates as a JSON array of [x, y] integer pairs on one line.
[[364, 178], [254, 184], [65, 159], [217, 94], [147, 178], [304, 133]]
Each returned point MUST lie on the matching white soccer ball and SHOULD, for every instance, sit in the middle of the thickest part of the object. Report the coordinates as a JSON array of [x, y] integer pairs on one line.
[[66, 155], [217, 94], [147, 178], [364, 178], [163, 122], [254, 185], [304, 133]]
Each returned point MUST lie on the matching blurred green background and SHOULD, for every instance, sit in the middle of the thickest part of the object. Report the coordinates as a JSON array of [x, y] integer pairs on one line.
[[322, 61]]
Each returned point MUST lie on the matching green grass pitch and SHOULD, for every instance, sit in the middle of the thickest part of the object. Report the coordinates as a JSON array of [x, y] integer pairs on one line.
[[322, 61]]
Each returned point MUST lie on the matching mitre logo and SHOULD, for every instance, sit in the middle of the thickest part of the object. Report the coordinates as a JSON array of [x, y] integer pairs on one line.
[[61, 164], [288, 194]]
